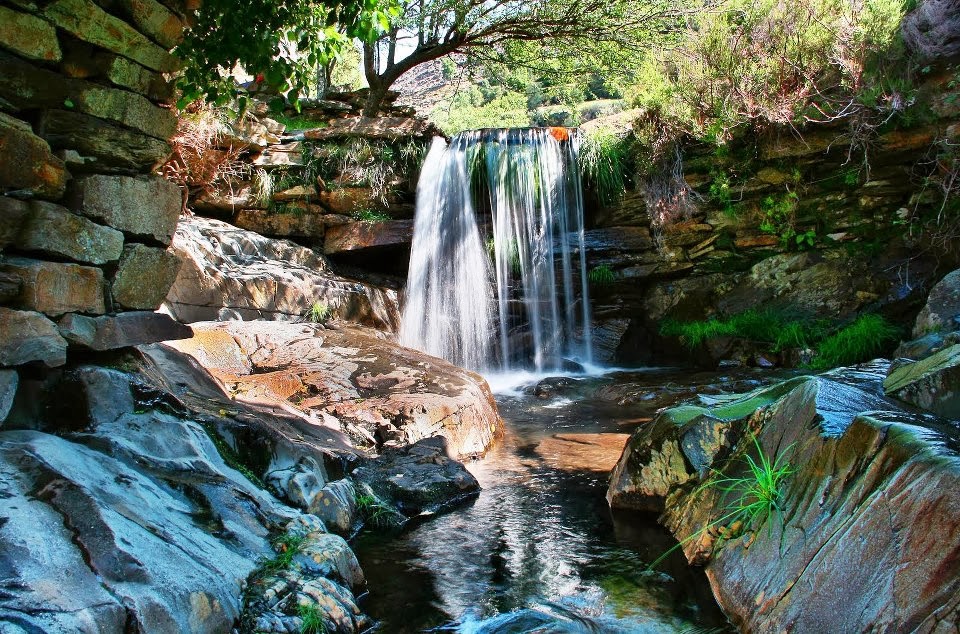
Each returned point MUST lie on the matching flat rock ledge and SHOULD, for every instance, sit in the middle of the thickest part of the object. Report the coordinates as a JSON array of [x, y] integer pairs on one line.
[[867, 540]]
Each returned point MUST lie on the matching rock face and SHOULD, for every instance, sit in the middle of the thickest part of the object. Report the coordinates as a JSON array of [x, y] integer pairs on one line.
[[941, 313], [229, 273], [864, 471], [382, 393], [27, 336], [138, 522], [365, 236]]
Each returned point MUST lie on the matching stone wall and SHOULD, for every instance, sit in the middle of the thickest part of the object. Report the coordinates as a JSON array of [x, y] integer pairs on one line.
[[747, 243], [84, 223]]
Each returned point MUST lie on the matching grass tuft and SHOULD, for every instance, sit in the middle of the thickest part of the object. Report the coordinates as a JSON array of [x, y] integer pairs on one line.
[[864, 339], [319, 313], [603, 157], [758, 496], [601, 275], [311, 621]]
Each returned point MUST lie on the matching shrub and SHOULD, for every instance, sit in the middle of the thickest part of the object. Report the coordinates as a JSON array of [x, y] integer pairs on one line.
[[319, 312], [601, 275], [602, 158]]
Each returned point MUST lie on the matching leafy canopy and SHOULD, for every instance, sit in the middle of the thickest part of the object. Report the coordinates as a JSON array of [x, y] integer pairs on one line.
[[284, 41]]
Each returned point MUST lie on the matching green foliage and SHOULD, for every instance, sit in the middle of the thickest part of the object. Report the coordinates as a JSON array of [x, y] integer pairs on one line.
[[286, 547], [756, 496], [470, 110], [370, 215], [864, 339], [513, 256], [601, 275], [285, 42], [720, 191], [767, 61], [300, 122], [375, 513], [778, 219], [311, 620], [319, 313], [229, 455], [762, 326], [603, 158]]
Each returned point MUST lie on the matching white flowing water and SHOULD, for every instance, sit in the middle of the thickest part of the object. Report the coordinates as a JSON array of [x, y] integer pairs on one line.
[[497, 278]]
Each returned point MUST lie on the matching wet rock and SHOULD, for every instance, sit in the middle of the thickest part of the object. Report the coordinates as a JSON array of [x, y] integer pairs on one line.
[[29, 167], [9, 380], [232, 273], [56, 288], [105, 394], [52, 230], [552, 386], [348, 378], [28, 36], [941, 313], [88, 22], [28, 336], [146, 206], [240, 196], [418, 479], [144, 276], [607, 335], [102, 145], [859, 483], [583, 452], [932, 383], [364, 236], [110, 332]]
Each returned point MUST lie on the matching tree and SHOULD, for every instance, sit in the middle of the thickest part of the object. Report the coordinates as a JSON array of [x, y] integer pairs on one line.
[[426, 30], [284, 41]]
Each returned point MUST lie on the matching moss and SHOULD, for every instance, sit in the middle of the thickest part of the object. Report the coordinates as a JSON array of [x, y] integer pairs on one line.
[[229, 455]]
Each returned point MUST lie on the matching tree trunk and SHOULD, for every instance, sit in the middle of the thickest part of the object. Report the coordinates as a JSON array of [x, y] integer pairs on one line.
[[378, 92]]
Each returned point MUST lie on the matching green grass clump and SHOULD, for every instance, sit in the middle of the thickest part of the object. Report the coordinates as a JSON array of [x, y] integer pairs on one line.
[[603, 158], [370, 215], [755, 325], [861, 341], [311, 621], [758, 496], [319, 313], [376, 513], [601, 275], [287, 546], [300, 122]]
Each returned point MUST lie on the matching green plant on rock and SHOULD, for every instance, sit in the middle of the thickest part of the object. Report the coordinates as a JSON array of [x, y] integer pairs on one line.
[[375, 512], [603, 157], [311, 620], [864, 339], [720, 191], [370, 215], [601, 275], [319, 312], [754, 498], [287, 546]]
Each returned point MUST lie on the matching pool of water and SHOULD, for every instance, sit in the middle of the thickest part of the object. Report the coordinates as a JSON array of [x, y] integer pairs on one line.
[[539, 549]]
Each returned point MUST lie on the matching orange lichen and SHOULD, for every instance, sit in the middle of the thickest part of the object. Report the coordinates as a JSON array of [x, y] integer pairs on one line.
[[560, 134]]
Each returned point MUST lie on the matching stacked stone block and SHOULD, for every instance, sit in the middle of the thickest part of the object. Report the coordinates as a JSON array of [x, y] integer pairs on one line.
[[85, 225]]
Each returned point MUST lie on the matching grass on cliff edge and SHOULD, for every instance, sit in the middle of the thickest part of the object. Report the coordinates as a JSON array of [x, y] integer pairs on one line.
[[864, 339]]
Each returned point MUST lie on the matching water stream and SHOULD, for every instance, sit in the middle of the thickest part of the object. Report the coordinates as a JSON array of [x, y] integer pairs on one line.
[[539, 548]]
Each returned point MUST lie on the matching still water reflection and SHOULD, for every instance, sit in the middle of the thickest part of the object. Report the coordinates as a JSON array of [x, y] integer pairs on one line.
[[539, 550]]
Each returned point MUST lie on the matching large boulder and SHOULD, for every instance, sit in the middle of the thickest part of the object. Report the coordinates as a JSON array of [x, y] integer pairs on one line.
[[55, 288], [230, 273], [367, 236], [941, 313], [27, 336], [867, 509], [146, 206], [383, 393], [29, 167]]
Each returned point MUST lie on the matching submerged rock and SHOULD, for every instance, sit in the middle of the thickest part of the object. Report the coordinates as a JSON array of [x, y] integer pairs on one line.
[[869, 509]]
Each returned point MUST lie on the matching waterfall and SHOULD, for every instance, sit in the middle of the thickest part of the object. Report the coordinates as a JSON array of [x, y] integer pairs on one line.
[[497, 277]]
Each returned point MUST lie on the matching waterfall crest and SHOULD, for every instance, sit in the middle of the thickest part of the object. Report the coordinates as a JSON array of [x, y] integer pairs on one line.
[[497, 277]]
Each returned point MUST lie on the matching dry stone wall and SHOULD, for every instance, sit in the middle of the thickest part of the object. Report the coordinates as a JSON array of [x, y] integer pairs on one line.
[[85, 225]]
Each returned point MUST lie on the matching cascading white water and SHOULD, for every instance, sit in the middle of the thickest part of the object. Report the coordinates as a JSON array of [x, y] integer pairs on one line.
[[518, 299]]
